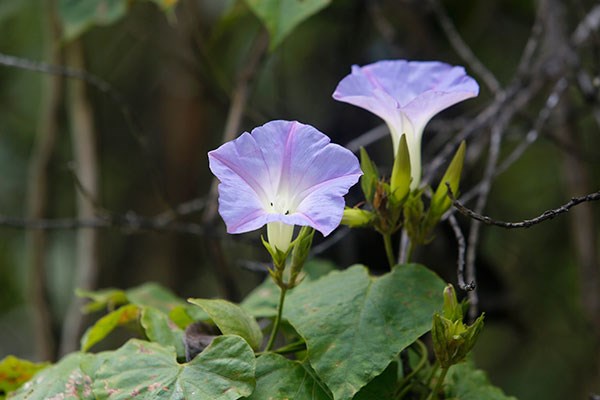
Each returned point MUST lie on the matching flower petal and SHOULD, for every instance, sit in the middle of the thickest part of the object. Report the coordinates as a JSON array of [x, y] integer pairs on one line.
[[283, 161], [420, 89]]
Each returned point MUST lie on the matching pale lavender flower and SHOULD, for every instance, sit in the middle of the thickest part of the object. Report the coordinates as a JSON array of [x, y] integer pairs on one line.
[[283, 174], [406, 95]]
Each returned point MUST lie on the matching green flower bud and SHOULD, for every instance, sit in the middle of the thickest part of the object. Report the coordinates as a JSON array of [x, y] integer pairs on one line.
[[370, 177], [400, 180], [300, 252], [440, 202], [452, 339], [356, 218], [452, 309]]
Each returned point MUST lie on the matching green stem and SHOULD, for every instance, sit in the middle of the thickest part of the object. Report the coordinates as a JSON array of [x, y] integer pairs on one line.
[[389, 251], [438, 385], [277, 322], [409, 251], [405, 385]]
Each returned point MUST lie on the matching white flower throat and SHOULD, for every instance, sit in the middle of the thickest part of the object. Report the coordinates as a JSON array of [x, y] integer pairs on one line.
[[280, 234]]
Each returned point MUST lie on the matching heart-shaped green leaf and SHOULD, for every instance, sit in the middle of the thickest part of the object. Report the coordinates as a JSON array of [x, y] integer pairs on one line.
[[231, 319], [144, 370], [160, 329], [280, 378], [355, 325]]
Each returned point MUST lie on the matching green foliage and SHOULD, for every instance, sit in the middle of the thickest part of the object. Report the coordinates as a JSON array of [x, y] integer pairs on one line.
[[352, 327], [465, 382], [64, 380], [144, 370], [105, 325], [231, 319], [224, 371], [280, 17], [160, 329], [355, 325], [280, 378], [79, 16], [149, 308], [14, 372]]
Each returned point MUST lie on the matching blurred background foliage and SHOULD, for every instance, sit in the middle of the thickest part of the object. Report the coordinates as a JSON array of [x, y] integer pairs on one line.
[[183, 75]]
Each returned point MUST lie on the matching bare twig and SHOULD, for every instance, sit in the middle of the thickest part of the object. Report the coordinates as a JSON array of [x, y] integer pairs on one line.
[[463, 50], [462, 245], [527, 223]]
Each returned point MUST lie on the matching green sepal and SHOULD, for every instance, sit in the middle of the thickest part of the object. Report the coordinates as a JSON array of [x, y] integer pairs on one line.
[[441, 202], [370, 177], [357, 218], [400, 180], [453, 340], [277, 255], [300, 251], [414, 218]]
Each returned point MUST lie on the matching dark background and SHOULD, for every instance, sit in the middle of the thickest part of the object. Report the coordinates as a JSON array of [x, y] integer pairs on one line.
[[183, 78]]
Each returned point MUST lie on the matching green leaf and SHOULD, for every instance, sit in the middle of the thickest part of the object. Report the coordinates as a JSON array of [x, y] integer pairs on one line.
[[279, 378], [160, 329], [108, 323], [64, 380], [78, 16], [14, 372], [144, 370], [382, 387], [355, 325], [232, 319], [465, 382], [262, 301], [102, 299], [154, 295], [280, 17]]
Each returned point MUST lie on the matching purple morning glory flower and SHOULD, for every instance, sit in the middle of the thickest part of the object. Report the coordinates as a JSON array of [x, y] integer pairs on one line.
[[406, 95], [282, 174]]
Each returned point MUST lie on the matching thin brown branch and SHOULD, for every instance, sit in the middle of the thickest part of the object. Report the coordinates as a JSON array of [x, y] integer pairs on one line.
[[460, 262], [527, 223], [463, 50]]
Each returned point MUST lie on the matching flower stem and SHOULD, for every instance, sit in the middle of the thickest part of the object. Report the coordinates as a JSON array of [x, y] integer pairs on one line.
[[438, 385], [389, 251], [277, 321]]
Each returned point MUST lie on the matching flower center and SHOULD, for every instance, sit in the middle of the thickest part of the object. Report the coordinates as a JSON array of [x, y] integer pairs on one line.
[[281, 204]]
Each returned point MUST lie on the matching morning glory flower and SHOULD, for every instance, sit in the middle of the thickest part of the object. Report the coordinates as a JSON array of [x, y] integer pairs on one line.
[[406, 95], [282, 174]]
